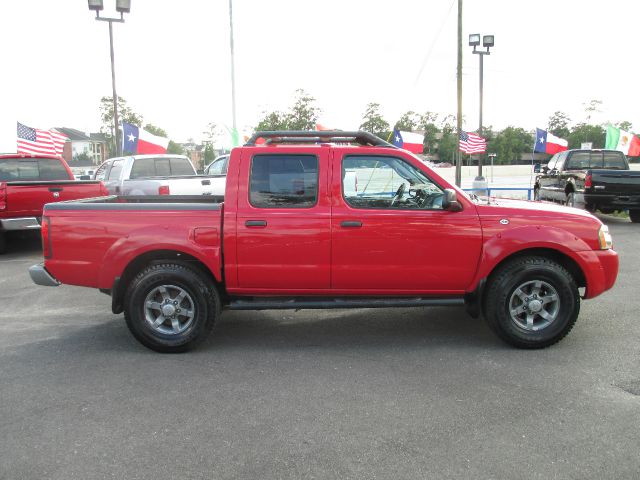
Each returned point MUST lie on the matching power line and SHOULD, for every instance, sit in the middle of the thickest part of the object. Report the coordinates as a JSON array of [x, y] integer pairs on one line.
[[433, 43]]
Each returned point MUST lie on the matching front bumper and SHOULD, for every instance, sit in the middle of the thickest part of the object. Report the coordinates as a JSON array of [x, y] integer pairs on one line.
[[40, 276], [601, 270], [23, 223]]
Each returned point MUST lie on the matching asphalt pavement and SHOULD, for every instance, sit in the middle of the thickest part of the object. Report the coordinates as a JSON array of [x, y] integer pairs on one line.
[[337, 394]]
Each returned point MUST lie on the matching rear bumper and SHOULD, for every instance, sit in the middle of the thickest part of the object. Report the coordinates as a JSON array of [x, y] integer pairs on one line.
[[601, 271], [41, 276], [23, 223], [620, 201]]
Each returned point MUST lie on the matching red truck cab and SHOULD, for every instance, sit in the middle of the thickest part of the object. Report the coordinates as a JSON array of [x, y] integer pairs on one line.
[[329, 220], [28, 182]]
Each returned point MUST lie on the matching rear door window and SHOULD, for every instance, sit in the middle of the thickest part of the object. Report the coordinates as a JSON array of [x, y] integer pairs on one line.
[[283, 181]]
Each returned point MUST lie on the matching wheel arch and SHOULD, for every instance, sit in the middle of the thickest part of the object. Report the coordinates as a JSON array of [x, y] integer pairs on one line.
[[476, 300], [142, 261]]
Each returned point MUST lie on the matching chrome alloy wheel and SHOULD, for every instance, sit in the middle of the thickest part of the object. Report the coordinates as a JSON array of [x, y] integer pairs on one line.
[[534, 305], [169, 309]]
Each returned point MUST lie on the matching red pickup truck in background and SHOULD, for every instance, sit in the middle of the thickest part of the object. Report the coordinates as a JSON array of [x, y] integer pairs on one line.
[[328, 220], [28, 182]]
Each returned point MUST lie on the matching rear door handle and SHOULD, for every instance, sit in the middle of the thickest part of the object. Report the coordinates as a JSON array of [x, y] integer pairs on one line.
[[351, 224], [255, 223]]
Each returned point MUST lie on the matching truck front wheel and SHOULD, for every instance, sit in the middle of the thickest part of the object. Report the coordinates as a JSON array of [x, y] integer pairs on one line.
[[532, 302], [171, 307]]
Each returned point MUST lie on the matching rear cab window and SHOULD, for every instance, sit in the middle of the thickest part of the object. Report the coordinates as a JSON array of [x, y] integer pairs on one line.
[[17, 169], [116, 169], [181, 166], [283, 181]]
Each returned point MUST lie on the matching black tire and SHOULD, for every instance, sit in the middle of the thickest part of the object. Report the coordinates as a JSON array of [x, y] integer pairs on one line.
[[634, 215], [171, 307], [518, 321], [3, 242]]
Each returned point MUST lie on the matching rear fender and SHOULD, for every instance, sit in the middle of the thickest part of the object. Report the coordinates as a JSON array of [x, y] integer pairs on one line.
[[201, 243]]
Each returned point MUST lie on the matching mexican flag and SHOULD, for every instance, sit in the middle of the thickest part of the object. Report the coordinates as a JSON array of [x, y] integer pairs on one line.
[[623, 141]]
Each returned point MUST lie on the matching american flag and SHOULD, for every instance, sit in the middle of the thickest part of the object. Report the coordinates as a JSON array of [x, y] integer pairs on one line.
[[33, 141], [472, 143]]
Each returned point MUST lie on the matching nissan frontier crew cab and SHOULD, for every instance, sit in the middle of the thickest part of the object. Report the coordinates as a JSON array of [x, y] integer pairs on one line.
[[328, 219]]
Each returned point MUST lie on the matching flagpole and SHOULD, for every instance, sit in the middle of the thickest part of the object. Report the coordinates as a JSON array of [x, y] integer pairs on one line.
[[234, 134], [459, 79], [533, 152]]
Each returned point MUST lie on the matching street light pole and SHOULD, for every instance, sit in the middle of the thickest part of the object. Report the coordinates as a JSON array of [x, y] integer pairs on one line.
[[487, 42], [122, 7], [116, 121]]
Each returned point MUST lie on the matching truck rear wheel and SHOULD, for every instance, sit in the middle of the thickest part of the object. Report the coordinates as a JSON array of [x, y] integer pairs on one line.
[[532, 302], [3, 242], [171, 307], [634, 215]]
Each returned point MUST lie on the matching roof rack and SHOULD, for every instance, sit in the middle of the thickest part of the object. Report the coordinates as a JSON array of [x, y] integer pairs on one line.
[[318, 136]]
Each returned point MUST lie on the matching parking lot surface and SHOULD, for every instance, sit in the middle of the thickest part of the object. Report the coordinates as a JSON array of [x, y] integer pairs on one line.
[[388, 393]]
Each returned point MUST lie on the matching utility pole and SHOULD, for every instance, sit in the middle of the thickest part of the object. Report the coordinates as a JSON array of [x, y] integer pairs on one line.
[[459, 116]]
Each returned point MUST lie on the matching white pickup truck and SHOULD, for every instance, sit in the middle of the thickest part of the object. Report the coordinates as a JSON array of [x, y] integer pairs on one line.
[[157, 175]]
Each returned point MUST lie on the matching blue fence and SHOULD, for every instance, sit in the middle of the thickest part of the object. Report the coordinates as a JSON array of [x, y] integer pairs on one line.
[[491, 189]]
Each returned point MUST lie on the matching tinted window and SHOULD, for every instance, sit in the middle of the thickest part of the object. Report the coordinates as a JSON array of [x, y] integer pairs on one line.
[[181, 166], [12, 170], [52, 170], [388, 182], [579, 161], [116, 168], [143, 167], [614, 160], [552, 161], [560, 163], [162, 167], [283, 181]]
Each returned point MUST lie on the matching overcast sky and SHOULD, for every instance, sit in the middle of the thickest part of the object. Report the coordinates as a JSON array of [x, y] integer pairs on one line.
[[172, 61]]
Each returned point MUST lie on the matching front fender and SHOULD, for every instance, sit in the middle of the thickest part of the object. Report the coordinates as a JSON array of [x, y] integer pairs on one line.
[[506, 243]]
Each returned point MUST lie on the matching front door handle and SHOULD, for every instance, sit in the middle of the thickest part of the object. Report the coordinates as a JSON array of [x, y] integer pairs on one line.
[[351, 224], [255, 223]]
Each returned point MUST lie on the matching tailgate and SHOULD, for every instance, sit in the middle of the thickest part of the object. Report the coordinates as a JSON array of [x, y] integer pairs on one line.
[[28, 198], [625, 182]]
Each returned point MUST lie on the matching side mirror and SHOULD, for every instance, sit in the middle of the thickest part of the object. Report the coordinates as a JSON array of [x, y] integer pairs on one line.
[[450, 201], [537, 168]]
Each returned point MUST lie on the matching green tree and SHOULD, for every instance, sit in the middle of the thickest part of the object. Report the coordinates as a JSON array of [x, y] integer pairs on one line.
[[510, 144], [373, 122], [624, 125], [427, 123], [587, 133], [448, 146], [175, 148], [302, 115], [408, 121], [153, 130], [125, 114], [559, 124]]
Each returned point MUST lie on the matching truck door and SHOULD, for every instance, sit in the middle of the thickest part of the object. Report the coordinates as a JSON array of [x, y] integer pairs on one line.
[[390, 234], [283, 221]]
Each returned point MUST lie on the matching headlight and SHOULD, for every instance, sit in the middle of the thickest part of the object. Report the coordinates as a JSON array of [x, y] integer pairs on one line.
[[604, 237]]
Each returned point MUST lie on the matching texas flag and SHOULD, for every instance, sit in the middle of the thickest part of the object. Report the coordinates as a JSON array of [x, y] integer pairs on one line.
[[408, 140], [548, 143], [135, 140]]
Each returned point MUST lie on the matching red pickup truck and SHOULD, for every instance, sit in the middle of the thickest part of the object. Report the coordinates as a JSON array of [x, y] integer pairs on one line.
[[328, 220], [28, 182]]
